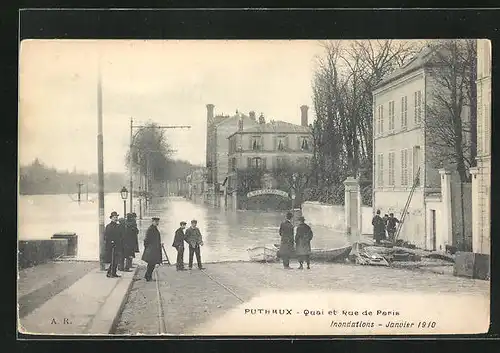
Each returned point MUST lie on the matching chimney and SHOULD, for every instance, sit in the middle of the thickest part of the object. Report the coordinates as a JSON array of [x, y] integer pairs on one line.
[[252, 115], [303, 117], [210, 113], [240, 124]]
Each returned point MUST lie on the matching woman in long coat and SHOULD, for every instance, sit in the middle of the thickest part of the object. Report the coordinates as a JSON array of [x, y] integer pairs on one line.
[[152, 248], [286, 247], [303, 237]]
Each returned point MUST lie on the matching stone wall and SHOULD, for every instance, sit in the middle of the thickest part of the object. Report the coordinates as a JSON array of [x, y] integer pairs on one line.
[[333, 216], [36, 252]]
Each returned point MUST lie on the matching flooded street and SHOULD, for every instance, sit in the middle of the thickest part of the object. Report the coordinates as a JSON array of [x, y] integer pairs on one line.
[[227, 234]]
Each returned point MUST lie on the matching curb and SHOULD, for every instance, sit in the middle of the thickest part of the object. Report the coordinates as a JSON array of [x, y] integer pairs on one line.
[[114, 323], [106, 318]]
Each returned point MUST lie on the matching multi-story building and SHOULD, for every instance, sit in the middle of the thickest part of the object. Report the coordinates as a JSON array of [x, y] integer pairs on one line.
[[266, 146], [482, 174], [219, 128], [196, 181], [402, 153]]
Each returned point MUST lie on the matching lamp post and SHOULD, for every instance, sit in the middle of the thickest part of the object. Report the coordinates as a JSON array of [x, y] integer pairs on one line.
[[124, 194]]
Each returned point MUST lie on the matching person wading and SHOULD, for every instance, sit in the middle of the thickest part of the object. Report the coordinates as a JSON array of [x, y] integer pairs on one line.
[[152, 248], [378, 228], [391, 226], [178, 244], [303, 237], [195, 240], [286, 234], [112, 245]]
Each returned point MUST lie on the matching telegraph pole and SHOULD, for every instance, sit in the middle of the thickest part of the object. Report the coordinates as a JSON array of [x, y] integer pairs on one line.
[[130, 167], [100, 167]]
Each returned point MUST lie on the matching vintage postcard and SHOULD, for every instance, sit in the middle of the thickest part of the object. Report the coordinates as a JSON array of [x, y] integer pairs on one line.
[[261, 187]]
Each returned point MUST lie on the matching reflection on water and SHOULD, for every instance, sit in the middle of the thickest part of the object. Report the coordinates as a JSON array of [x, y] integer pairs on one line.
[[227, 234]]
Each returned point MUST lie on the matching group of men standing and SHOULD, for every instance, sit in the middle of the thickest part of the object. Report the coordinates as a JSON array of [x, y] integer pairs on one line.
[[300, 245], [191, 236], [121, 243], [381, 226]]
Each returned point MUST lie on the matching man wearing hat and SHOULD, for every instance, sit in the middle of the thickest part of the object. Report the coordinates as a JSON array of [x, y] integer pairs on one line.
[[286, 246], [195, 240], [130, 241], [152, 248], [113, 244], [303, 237], [178, 244]]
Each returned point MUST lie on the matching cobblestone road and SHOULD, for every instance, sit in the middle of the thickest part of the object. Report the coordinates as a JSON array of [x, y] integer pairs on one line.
[[191, 298]]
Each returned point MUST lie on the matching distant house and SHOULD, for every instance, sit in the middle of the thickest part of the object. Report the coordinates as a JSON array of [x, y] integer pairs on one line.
[[264, 147], [401, 155]]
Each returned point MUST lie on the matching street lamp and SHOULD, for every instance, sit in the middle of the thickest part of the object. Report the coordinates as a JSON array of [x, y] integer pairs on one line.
[[124, 194]]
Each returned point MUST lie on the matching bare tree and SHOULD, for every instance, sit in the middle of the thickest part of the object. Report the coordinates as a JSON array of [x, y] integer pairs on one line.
[[451, 107], [342, 91], [293, 176]]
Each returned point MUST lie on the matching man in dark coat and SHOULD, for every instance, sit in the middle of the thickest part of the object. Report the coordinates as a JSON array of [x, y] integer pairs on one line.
[[286, 234], [178, 244], [152, 248], [129, 241], [391, 226], [378, 228], [195, 240], [123, 236], [136, 244], [113, 245], [303, 237]]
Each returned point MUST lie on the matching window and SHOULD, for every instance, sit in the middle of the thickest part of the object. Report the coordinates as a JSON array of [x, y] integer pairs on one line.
[[380, 169], [280, 143], [256, 162], [255, 143], [380, 119], [304, 144], [233, 164], [391, 115], [404, 167], [392, 159], [416, 165], [404, 112], [418, 106]]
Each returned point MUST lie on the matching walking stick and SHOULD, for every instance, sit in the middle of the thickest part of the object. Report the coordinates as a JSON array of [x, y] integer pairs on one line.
[[166, 256]]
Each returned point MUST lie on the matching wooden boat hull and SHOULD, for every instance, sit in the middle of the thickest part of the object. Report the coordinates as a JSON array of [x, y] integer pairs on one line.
[[262, 254], [327, 255]]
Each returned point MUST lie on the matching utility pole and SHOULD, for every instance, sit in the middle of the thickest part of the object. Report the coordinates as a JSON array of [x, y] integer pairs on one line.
[[100, 167], [130, 167]]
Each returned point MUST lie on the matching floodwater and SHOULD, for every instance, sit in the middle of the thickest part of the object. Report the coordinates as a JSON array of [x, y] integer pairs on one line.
[[227, 234]]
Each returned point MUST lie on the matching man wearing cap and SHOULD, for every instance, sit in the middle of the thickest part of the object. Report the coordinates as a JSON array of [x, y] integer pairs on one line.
[[286, 234], [195, 240], [178, 244], [303, 237], [152, 248], [112, 241]]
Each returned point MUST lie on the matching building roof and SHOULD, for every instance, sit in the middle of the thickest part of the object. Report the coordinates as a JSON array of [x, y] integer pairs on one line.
[[226, 119], [276, 126], [417, 62]]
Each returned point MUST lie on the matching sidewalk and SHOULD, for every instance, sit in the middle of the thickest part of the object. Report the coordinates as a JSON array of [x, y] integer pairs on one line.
[[88, 306]]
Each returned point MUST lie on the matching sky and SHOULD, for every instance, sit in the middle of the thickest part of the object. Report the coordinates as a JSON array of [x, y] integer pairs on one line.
[[168, 82]]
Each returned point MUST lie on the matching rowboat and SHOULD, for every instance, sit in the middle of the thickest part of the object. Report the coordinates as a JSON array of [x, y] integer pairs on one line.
[[262, 254], [362, 257], [327, 255]]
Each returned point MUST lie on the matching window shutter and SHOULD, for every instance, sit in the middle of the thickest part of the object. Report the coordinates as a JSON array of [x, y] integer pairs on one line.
[[411, 177], [287, 145], [275, 140], [264, 166], [249, 162]]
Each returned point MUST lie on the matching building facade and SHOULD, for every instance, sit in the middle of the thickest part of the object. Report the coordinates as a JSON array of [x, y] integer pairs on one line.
[[402, 156], [266, 147], [219, 128], [481, 180]]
